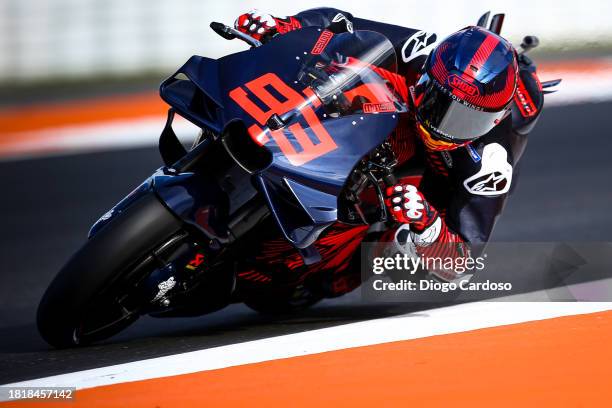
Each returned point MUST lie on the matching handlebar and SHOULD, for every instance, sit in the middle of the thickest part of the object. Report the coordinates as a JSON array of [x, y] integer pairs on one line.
[[230, 33]]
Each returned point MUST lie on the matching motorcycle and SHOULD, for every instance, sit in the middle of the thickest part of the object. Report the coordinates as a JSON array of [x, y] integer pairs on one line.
[[292, 134]]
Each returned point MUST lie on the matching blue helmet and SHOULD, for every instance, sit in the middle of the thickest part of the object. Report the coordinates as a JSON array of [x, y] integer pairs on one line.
[[469, 81]]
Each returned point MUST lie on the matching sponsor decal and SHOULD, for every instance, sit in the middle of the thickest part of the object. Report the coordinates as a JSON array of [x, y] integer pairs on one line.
[[495, 173], [460, 84], [437, 130], [195, 262], [322, 42], [378, 107], [492, 182], [473, 153], [457, 98], [447, 158], [164, 287], [107, 215], [339, 17], [523, 101], [420, 43]]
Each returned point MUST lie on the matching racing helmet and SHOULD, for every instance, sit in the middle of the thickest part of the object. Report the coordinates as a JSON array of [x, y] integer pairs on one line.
[[465, 89]]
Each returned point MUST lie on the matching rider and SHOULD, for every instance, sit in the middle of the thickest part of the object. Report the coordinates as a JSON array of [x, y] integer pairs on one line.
[[473, 99]]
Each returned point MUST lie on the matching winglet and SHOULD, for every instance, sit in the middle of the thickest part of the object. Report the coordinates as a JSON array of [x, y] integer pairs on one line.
[[550, 84], [483, 20], [496, 23]]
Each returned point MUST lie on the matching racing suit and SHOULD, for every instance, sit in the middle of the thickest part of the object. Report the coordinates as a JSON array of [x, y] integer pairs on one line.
[[463, 191]]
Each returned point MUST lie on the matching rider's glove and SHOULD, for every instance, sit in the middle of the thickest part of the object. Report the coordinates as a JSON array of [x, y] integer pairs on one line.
[[407, 205], [264, 26], [424, 232]]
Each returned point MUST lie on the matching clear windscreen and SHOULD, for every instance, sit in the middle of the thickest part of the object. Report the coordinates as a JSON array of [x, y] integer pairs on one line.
[[355, 73]]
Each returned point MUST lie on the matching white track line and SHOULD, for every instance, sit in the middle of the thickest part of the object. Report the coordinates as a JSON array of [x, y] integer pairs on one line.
[[452, 319]]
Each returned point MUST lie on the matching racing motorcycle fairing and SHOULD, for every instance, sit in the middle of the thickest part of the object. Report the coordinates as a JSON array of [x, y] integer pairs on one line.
[[318, 102]]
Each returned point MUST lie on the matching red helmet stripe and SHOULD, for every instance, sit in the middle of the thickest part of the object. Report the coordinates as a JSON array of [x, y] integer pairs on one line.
[[484, 51], [439, 71]]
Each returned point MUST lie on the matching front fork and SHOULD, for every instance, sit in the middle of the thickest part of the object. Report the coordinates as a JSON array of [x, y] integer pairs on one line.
[[185, 278], [175, 272]]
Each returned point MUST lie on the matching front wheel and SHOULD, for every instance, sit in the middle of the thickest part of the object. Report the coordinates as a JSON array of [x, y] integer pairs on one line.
[[87, 300]]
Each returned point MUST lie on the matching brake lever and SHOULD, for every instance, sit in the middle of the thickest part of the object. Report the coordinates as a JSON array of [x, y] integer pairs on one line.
[[230, 33]]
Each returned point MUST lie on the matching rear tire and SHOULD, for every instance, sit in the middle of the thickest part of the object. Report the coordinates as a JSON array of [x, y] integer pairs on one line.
[[104, 259]]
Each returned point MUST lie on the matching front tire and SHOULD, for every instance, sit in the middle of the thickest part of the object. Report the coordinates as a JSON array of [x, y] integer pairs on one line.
[[83, 289]]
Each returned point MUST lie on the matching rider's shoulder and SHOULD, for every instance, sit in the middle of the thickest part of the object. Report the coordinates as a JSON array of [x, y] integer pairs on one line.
[[415, 43], [485, 166]]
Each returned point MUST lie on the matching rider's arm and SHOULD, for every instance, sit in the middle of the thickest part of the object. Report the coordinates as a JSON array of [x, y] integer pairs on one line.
[[528, 100], [459, 199], [264, 26], [409, 43]]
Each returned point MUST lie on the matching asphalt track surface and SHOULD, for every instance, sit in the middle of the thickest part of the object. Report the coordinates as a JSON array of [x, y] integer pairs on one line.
[[48, 204]]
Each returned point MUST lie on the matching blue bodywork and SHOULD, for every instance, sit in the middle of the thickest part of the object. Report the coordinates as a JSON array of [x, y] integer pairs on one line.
[[303, 199]]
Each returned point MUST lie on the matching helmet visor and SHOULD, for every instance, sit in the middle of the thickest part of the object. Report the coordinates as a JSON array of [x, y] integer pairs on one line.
[[443, 114]]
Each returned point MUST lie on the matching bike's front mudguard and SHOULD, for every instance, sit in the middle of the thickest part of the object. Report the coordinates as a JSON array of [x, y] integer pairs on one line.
[[191, 197], [197, 201]]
